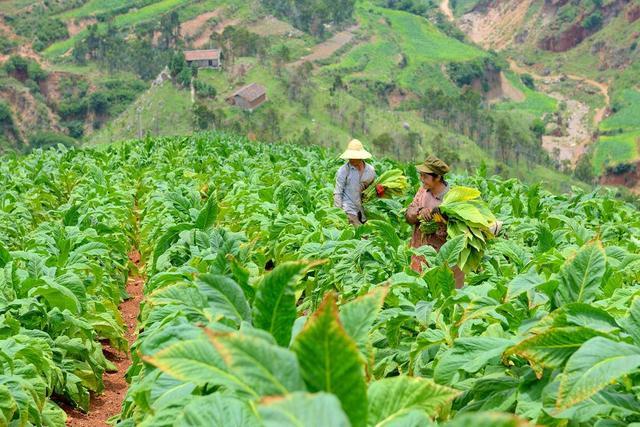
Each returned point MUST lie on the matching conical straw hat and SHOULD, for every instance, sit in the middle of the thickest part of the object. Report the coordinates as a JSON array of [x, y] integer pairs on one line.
[[355, 150]]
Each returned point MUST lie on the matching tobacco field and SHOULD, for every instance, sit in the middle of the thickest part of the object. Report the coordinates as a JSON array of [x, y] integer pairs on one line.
[[263, 307]]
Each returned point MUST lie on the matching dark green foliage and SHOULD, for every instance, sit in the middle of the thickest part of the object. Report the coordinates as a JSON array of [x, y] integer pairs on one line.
[[47, 31], [99, 102], [117, 51], [24, 68], [537, 127], [204, 89], [312, 15], [203, 117], [528, 81], [72, 108], [593, 21], [75, 128], [238, 42], [184, 77], [464, 73], [50, 139], [177, 63], [584, 168], [417, 7], [6, 119], [120, 92]]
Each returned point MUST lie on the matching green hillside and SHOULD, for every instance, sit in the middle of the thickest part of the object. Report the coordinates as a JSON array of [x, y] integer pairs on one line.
[[396, 74]]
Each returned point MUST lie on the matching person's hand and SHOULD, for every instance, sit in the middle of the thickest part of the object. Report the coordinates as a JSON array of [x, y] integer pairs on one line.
[[380, 190], [425, 214]]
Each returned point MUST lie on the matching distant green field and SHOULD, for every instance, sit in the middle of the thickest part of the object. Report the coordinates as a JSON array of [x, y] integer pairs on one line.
[[133, 17], [395, 33], [628, 117], [460, 7], [95, 7], [535, 102], [614, 149]]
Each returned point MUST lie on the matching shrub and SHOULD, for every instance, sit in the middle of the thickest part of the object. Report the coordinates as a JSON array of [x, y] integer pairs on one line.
[[593, 21], [204, 90], [528, 81], [50, 139]]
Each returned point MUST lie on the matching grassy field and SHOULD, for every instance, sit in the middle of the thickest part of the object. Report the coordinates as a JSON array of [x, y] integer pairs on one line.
[[128, 19], [535, 102], [394, 34], [614, 149], [628, 116]]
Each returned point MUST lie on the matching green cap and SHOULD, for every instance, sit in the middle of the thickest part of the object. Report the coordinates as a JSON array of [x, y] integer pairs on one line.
[[433, 165]]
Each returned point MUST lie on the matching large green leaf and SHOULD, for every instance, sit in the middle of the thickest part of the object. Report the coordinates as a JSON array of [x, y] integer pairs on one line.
[[274, 307], [631, 323], [225, 296], [450, 251], [208, 214], [468, 354], [167, 239], [487, 419], [268, 368], [581, 276], [217, 411], [57, 296], [358, 317], [552, 348], [198, 361], [330, 360], [392, 398], [523, 283], [302, 409], [596, 364]]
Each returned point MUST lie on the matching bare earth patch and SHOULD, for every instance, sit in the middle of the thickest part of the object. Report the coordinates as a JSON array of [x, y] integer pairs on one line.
[[327, 48], [496, 28], [191, 27], [76, 26], [272, 26], [108, 404], [572, 146], [445, 8]]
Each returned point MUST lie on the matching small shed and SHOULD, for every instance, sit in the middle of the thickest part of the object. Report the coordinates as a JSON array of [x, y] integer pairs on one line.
[[248, 97], [208, 58]]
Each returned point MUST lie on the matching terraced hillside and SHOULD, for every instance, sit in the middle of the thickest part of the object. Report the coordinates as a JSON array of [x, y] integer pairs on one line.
[[388, 76]]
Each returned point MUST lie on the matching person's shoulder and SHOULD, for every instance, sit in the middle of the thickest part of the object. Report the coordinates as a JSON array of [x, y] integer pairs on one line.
[[369, 167], [343, 168]]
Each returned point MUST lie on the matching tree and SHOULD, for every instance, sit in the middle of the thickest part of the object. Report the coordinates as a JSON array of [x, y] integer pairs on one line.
[[584, 169], [203, 118], [177, 63]]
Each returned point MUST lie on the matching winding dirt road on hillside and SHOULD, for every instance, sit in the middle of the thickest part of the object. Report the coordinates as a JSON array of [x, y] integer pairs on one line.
[[579, 134], [445, 8]]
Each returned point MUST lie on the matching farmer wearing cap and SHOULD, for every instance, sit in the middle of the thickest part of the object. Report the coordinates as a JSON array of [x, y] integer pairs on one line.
[[351, 180], [426, 201]]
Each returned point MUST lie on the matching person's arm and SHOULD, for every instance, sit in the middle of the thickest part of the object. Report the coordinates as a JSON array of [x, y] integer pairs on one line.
[[415, 209], [369, 180], [339, 189]]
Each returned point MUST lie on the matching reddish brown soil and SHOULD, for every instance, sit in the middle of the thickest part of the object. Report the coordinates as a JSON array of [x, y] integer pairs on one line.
[[108, 404]]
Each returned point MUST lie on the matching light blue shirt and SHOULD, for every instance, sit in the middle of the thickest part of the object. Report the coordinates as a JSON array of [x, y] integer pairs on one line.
[[350, 183]]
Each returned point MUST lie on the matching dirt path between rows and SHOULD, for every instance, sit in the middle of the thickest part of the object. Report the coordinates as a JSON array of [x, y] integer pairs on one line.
[[109, 403]]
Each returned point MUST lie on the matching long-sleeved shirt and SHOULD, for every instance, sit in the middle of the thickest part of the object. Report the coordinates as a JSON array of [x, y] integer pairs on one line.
[[426, 200], [350, 183]]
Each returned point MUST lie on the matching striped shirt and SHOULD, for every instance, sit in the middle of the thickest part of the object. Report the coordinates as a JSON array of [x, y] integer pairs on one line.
[[350, 183]]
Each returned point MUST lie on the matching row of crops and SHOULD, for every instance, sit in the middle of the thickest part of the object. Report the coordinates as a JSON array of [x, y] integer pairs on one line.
[[263, 307], [66, 228]]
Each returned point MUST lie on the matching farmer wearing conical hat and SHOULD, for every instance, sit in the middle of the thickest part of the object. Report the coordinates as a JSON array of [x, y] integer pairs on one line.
[[424, 207], [351, 180]]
